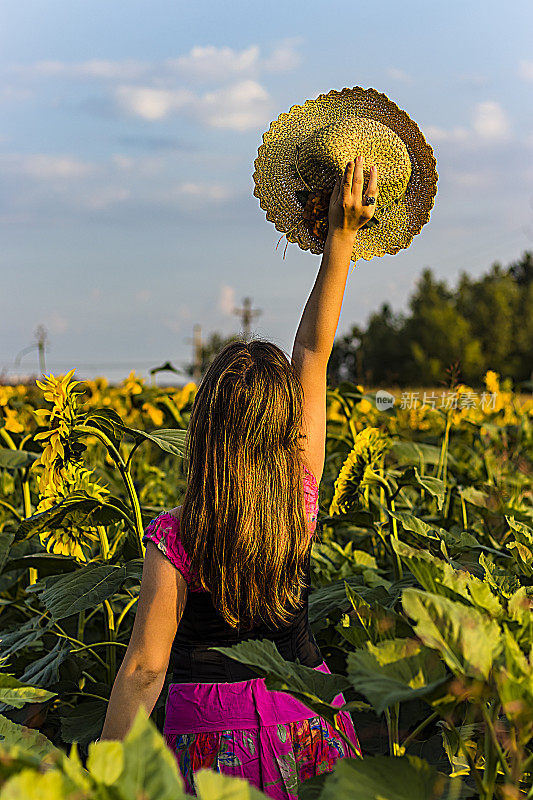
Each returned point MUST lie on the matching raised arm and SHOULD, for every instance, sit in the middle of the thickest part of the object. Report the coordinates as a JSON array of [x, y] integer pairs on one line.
[[316, 332]]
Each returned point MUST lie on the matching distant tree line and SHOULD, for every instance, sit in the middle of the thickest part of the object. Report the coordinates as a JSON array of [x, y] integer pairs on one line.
[[484, 323]]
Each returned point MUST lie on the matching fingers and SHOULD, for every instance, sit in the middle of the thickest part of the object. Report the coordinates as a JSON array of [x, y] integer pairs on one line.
[[357, 183], [347, 180], [372, 188]]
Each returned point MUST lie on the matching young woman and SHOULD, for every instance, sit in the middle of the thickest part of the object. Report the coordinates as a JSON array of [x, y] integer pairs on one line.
[[232, 562]]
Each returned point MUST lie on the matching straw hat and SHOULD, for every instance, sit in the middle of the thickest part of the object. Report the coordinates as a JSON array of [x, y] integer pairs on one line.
[[304, 151]]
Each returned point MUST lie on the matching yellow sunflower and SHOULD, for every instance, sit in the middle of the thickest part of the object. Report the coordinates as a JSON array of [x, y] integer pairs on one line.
[[357, 471]]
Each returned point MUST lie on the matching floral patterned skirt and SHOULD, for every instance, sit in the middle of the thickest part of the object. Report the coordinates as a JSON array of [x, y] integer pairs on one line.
[[275, 758], [244, 730]]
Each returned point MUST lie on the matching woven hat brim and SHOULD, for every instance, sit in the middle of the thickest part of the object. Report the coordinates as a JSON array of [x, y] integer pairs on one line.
[[276, 182]]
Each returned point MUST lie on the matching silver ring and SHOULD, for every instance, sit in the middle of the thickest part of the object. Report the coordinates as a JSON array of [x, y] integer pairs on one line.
[[368, 201]]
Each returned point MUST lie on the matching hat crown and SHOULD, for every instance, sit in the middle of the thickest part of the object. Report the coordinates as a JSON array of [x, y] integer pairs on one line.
[[323, 155]]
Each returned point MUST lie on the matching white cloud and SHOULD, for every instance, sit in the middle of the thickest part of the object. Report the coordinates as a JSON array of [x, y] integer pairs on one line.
[[284, 57], [525, 70], [210, 63], [151, 104], [240, 107], [399, 75], [44, 167], [212, 192], [473, 179], [202, 63], [54, 185], [215, 63], [226, 299], [99, 69], [152, 90], [457, 134], [490, 121]]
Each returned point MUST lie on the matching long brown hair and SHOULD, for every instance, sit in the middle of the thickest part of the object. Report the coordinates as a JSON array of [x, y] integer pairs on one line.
[[243, 516]]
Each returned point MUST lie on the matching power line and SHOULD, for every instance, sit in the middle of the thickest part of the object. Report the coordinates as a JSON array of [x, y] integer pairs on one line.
[[96, 365]]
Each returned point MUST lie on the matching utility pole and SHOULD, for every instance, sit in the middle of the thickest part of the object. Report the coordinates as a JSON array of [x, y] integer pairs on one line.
[[247, 314], [40, 335], [196, 352], [40, 343]]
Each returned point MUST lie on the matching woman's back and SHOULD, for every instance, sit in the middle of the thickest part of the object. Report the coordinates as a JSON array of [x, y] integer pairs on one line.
[[202, 626], [218, 712]]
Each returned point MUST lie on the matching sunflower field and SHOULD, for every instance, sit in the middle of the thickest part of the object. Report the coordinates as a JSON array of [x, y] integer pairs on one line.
[[422, 599]]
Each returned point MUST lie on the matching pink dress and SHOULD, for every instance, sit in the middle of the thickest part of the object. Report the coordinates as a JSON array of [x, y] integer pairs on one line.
[[241, 728]]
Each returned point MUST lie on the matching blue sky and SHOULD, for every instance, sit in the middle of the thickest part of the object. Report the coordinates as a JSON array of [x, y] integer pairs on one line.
[[129, 131]]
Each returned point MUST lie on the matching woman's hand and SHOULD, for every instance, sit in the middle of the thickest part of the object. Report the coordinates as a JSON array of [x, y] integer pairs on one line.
[[346, 210]]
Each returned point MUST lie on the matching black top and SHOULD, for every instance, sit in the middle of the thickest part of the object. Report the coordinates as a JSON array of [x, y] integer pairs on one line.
[[202, 626]]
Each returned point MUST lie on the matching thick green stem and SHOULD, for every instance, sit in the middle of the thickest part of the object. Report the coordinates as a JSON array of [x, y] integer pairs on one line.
[[419, 728], [111, 652], [124, 612], [136, 510], [443, 458], [344, 737], [397, 563], [465, 516], [12, 509], [26, 497], [442, 469], [95, 644], [389, 730], [393, 719], [491, 762], [24, 479], [81, 624], [130, 456], [487, 716], [174, 411], [104, 543], [7, 439], [126, 477], [347, 412], [87, 694], [382, 499], [421, 468]]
